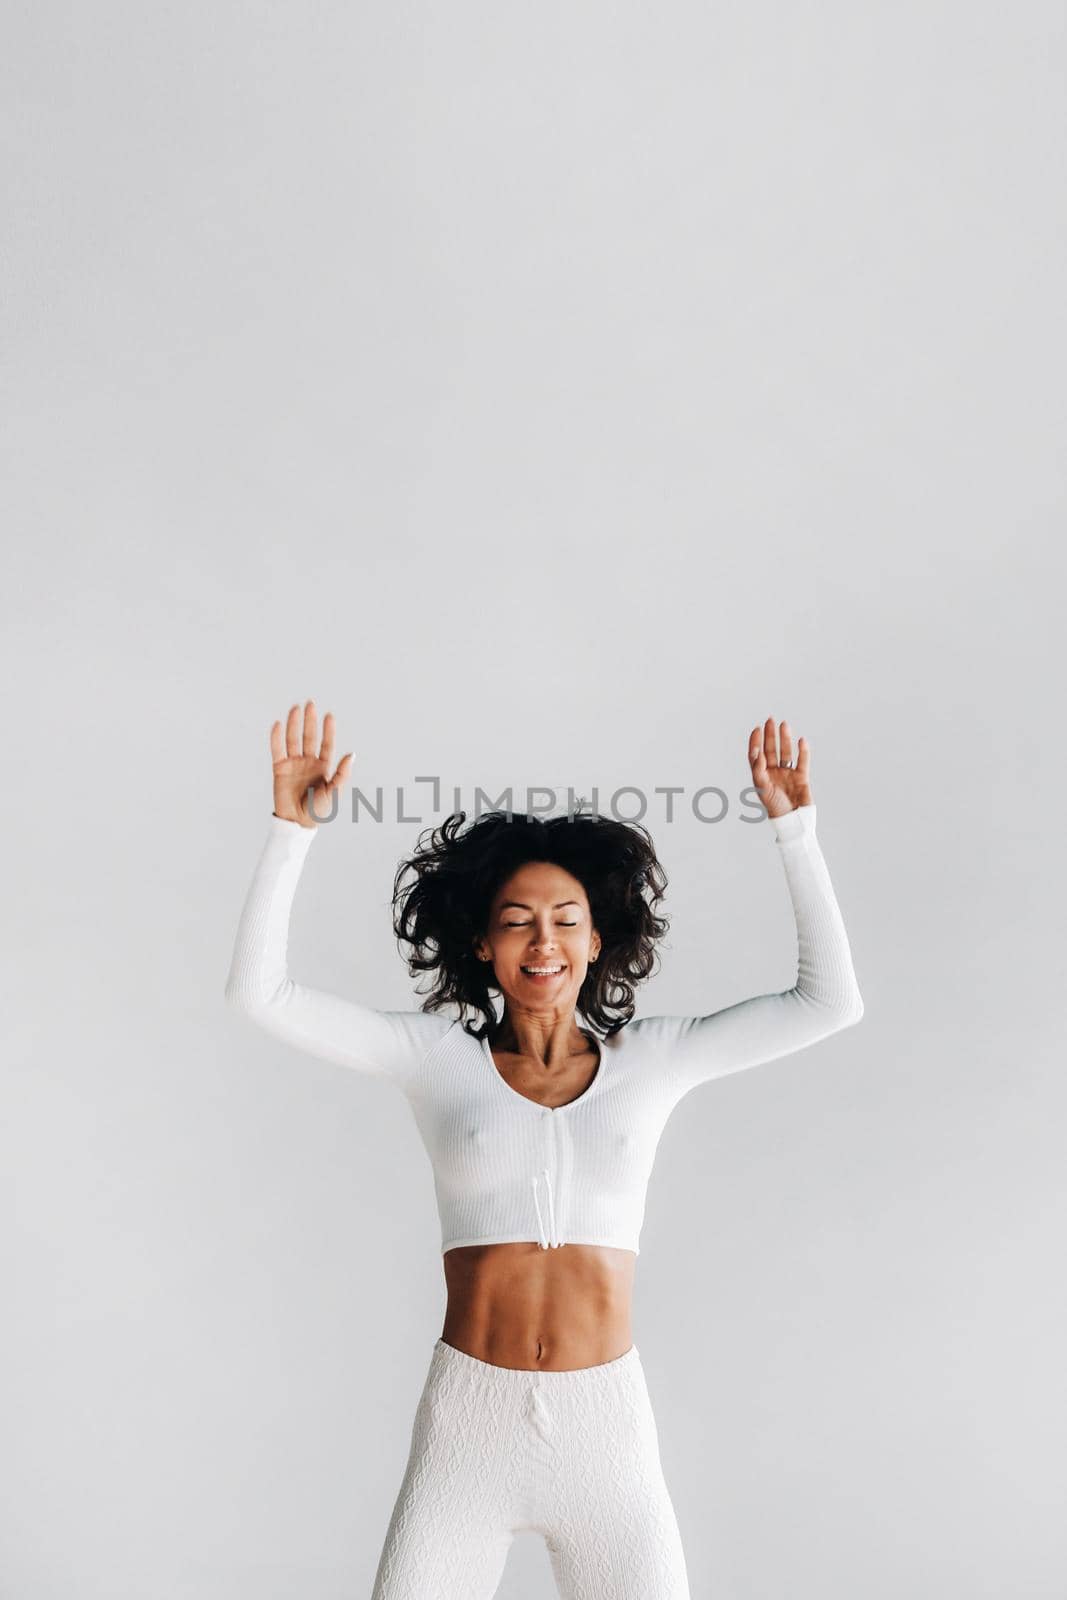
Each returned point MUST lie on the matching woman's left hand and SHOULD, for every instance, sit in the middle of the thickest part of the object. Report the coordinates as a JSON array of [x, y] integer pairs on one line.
[[780, 786]]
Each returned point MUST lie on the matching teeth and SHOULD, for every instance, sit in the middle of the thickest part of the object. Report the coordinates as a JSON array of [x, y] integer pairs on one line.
[[541, 971]]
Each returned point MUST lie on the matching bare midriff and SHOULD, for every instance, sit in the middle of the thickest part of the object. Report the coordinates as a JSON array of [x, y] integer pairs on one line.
[[518, 1305]]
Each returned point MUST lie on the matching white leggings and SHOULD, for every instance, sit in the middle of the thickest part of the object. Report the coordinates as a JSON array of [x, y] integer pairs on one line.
[[572, 1455]]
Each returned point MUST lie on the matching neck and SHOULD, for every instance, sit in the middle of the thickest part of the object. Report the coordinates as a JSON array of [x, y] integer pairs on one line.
[[549, 1040]]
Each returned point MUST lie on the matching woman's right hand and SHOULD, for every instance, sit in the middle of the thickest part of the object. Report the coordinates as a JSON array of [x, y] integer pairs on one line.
[[302, 777]]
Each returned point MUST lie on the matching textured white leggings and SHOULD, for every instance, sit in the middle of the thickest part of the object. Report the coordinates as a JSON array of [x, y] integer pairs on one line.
[[498, 1450]]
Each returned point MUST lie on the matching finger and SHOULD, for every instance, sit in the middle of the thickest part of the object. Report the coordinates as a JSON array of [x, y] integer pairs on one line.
[[343, 768], [311, 730], [802, 759], [755, 751], [292, 732], [770, 747], [277, 742], [329, 728], [787, 744]]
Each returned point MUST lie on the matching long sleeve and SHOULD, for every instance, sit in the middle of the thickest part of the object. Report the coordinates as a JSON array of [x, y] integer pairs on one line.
[[386, 1043], [824, 999]]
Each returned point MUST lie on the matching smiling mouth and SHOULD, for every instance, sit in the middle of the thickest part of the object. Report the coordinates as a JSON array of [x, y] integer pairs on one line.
[[542, 973]]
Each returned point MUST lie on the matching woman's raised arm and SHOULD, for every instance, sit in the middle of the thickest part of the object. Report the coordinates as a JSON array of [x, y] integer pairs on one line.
[[826, 995], [388, 1043]]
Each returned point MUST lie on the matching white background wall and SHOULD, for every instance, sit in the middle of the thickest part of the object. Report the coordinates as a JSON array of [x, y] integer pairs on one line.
[[553, 393]]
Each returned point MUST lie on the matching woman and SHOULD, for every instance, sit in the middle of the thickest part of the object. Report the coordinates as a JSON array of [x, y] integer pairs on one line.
[[535, 1412]]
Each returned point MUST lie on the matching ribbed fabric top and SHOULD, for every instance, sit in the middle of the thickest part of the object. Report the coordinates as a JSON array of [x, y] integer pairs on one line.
[[505, 1168]]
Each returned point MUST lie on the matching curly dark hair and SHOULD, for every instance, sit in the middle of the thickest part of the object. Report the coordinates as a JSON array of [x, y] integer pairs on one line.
[[457, 871]]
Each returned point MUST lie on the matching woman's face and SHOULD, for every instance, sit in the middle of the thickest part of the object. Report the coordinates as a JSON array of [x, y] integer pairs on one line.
[[540, 918]]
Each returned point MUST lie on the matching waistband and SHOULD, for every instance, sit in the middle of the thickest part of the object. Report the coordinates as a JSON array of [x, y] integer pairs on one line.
[[569, 1377]]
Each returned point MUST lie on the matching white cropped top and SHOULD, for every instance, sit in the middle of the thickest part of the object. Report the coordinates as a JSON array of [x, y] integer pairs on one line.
[[508, 1169]]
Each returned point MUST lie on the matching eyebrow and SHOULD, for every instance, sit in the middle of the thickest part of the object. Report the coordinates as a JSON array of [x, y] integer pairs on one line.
[[522, 906]]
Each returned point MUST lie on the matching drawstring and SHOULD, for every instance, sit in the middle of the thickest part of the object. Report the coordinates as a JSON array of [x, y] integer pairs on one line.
[[544, 1240], [538, 1412], [556, 1240]]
